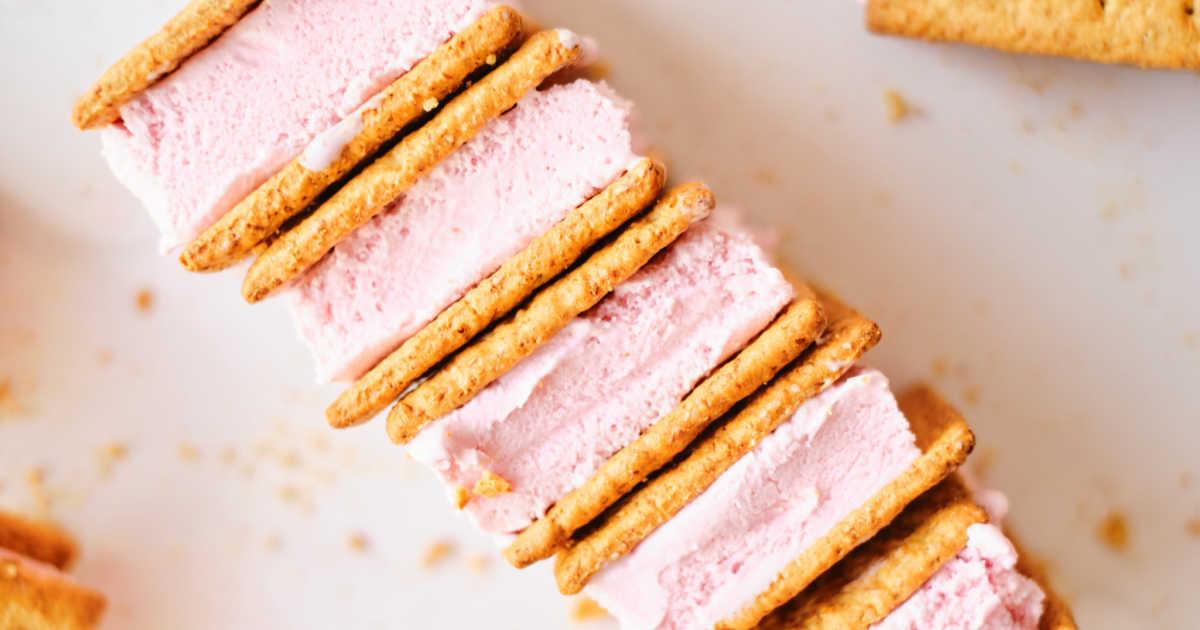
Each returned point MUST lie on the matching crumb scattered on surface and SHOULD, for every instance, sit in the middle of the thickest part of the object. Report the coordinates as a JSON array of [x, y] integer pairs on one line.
[[477, 563], [108, 455], [35, 480], [1191, 340], [972, 394], [104, 357], [940, 366], [492, 485], [144, 300], [765, 176], [357, 541], [273, 541], [436, 552], [1075, 110], [1126, 270], [585, 609], [1110, 211], [228, 455], [187, 452], [8, 402], [897, 107], [1015, 167], [460, 498], [1027, 126], [1113, 531], [430, 104], [1192, 527], [491, 60]]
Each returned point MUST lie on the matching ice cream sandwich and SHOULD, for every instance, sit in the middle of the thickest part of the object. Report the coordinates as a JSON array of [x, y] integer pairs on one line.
[[35, 594]]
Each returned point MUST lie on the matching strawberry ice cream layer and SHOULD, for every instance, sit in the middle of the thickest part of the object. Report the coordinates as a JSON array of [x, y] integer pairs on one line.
[[727, 546], [979, 589], [524, 172], [196, 143], [550, 423]]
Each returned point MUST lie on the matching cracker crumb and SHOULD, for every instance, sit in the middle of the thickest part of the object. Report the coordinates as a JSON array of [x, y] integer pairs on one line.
[[1193, 527], [897, 108], [1027, 126], [430, 104], [104, 357], [10, 570], [273, 541], [8, 402], [1110, 211], [187, 452], [1113, 531], [940, 366], [144, 300], [584, 609], [289, 494], [477, 563], [108, 455], [972, 394], [35, 480], [491, 60], [1126, 270], [1191, 340], [492, 485], [357, 541], [436, 552], [460, 498], [228, 456]]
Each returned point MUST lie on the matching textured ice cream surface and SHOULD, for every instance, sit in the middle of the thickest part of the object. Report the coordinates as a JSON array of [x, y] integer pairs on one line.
[[196, 143], [978, 589], [523, 172], [727, 546], [550, 423]]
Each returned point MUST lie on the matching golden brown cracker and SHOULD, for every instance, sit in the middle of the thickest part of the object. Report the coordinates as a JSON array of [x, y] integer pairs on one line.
[[548, 312], [31, 598], [200, 22], [867, 585], [848, 336], [291, 190], [1148, 33], [547, 256], [777, 346], [390, 175], [945, 441], [42, 542]]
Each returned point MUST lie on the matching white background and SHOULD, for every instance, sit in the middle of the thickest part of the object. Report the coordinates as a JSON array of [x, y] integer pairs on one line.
[[1032, 228]]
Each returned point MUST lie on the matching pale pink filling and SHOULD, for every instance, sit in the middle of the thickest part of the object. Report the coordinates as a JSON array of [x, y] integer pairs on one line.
[[511, 183], [979, 589], [729, 544], [199, 141], [549, 424]]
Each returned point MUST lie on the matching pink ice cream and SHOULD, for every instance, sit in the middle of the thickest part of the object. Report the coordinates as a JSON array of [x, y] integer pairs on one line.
[[979, 589], [199, 141], [727, 546], [550, 423], [485, 203]]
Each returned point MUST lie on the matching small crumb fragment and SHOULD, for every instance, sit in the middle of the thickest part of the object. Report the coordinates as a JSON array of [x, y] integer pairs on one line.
[[273, 541], [8, 402], [187, 452], [357, 541], [144, 300], [477, 563], [1126, 270], [897, 108], [492, 485], [972, 394], [1110, 212], [437, 552], [940, 366], [228, 456], [290, 459], [460, 498], [1193, 527], [10, 570], [584, 609], [491, 60], [289, 494], [1114, 531], [108, 455], [35, 479], [104, 357], [430, 104], [1191, 340]]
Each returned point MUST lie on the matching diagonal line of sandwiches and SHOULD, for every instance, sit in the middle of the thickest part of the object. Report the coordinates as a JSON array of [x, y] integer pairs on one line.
[[601, 368]]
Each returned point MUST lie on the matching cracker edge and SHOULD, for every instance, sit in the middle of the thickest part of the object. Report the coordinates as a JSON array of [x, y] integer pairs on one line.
[[873, 580], [547, 256], [547, 312], [775, 347], [40, 541], [1056, 615], [260, 215], [1099, 34], [193, 28], [364, 196], [652, 505], [29, 600]]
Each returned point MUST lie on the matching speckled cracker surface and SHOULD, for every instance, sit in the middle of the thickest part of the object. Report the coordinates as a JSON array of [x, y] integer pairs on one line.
[[867, 585], [33, 599], [390, 175], [848, 337], [485, 360], [777, 346], [945, 441], [1149, 33], [39, 541], [200, 22], [547, 256], [291, 190]]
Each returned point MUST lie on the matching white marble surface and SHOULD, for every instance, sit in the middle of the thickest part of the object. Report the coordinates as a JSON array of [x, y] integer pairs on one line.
[[1031, 228]]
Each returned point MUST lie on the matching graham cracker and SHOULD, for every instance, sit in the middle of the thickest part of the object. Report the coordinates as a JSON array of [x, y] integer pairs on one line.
[[31, 599], [777, 346], [945, 441], [390, 175], [42, 542], [548, 312], [290, 191], [1057, 613], [1148, 33], [200, 22], [545, 258], [867, 585], [847, 338]]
